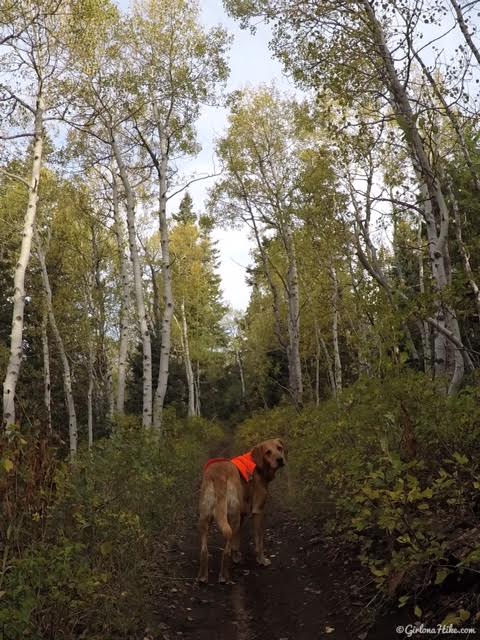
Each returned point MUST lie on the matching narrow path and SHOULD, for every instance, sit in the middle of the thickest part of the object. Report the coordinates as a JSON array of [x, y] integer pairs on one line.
[[304, 595], [296, 598]]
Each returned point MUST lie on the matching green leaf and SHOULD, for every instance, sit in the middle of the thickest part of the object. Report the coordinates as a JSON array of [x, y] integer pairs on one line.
[[7, 465], [106, 548], [464, 615], [418, 612], [441, 575], [460, 458], [402, 601]]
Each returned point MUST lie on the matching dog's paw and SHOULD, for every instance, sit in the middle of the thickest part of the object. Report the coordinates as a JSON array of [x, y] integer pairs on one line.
[[202, 579], [225, 580], [264, 562], [236, 556]]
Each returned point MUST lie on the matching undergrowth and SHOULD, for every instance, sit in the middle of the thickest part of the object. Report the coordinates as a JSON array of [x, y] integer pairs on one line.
[[393, 467], [82, 545]]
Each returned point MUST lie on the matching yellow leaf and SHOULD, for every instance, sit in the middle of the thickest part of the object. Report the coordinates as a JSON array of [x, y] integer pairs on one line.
[[7, 465]]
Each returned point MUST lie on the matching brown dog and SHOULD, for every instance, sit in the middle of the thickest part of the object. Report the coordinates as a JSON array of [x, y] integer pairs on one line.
[[231, 490]]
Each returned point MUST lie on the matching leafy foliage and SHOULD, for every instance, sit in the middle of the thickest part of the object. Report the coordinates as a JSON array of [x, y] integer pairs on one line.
[[85, 545], [394, 470]]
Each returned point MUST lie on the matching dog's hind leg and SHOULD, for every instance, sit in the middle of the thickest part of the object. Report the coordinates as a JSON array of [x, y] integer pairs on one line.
[[258, 536], [204, 526], [207, 502], [227, 521], [236, 538]]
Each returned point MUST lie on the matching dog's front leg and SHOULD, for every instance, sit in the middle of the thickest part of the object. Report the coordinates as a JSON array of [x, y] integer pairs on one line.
[[258, 535]]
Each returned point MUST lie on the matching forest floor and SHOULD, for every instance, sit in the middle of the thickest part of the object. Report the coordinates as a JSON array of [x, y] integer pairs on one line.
[[309, 592]]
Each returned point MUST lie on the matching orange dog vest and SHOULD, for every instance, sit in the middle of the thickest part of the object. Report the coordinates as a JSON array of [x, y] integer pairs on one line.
[[245, 464]]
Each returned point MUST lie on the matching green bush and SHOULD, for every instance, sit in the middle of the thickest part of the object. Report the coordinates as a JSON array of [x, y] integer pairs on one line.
[[90, 567], [394, 467]]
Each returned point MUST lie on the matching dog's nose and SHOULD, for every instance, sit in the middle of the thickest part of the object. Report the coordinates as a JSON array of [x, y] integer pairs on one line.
[[281, 462]]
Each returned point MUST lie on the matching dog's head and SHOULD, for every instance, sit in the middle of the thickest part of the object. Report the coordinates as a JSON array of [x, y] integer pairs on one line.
[[271, 454]]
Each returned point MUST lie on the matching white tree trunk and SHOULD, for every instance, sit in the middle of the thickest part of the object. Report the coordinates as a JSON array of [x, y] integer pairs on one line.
[[464, 29], [317, 367], [464, 253], [168, 309], [198, 403], [437, 223], [295, 366], [336, 346], [47, 386], [188, 364], [67, 377], [423, 325], [454, 121], [111, 396], [125, 303], [272, 284], [16, 342], [138, 287], [91, 356], [328, 359], [242, 376]]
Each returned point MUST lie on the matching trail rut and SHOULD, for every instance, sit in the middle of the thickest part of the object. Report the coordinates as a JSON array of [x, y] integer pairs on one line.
[[305, 594]]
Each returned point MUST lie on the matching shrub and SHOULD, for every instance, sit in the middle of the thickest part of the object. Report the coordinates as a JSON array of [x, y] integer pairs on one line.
[[89, 566], [393, 466]]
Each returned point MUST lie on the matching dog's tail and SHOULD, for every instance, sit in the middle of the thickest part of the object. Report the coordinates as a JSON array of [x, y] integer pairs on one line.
[[214, 502], [221, 507]]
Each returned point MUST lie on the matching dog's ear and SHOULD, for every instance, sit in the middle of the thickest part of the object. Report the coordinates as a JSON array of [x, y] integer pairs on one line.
[[257, 455]]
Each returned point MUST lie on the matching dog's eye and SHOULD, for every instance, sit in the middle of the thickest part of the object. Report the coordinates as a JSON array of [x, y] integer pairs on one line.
[[280, 448], [269, 452]]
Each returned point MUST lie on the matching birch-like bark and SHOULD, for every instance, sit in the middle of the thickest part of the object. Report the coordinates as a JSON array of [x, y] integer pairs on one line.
[[91, 357], [111, 395], [47, 385], [67, 377], [138, 287], [198, 400], [463, 251], [362, 227], [436, 223], [271, 283], [320, 341], [464, 29], [293, 293], [336, 347], [437, 326], [188, 364], [328, 360], [125, 303], [437, 260], [16, 341], [423, 325], [452, 116], [168, 309], [317, 367], [242, 375]]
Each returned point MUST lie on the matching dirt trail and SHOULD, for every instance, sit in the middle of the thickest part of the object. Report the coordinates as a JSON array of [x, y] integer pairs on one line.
[[296, 598], [303, 595]]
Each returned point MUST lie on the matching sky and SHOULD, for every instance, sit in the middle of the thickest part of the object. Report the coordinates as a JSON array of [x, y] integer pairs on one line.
[[251, 64]]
